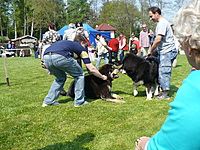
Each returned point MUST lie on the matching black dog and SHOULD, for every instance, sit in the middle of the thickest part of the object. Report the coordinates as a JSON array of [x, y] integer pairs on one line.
[[143, 71], [96, 88]]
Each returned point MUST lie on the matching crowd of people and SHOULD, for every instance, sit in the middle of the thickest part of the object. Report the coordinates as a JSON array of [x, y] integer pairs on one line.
[[161, 41]]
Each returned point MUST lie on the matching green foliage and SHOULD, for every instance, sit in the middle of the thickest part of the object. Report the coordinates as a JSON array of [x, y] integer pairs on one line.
[[100, 125], [77, 10], [2, 39], [125, 16]]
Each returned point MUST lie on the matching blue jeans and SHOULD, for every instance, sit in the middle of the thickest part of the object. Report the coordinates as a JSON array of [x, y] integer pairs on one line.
[[165, 68], [102, 56], [115, 56], [36, 54], [121, 54], [58, 65]]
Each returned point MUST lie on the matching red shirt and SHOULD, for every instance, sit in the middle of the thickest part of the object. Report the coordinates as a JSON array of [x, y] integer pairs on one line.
[[114, 44], [137, 43]]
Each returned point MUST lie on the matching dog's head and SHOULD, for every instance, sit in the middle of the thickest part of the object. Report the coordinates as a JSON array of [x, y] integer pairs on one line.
[[109, 70]]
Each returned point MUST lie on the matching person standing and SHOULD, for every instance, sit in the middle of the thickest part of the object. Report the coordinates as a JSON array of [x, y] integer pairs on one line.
[[50, 37], [69, 32], [180, 130], [145, 38], [82, 32], [122, 45], [35, 48], [39, 48], [102, 50], [59, 59], [9, 45], [113, 48], [165, 45]]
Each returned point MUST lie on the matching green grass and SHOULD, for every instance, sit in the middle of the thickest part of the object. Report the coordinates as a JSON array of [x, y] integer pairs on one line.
[[100, 125]]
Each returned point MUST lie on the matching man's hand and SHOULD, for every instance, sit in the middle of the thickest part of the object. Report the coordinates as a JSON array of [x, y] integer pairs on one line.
[[104, 77]]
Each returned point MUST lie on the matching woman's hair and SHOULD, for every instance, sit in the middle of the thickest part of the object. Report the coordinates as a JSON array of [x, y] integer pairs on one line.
[[187, 24], [52, 25]]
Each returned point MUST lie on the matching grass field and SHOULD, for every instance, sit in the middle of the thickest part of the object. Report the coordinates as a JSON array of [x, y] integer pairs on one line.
[[100, 125]]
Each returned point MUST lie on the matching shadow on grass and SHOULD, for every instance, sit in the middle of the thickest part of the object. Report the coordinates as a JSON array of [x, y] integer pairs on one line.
[[76, 144], [68, 99], [119, 92], [178, 66], [173, 90], [3, 83]]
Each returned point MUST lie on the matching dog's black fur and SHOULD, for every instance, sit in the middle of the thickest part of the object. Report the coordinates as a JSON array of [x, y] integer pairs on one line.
[[142, 70], [96, 88]]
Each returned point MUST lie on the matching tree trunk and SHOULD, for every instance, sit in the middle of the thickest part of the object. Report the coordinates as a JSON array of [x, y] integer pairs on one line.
[[24, 21], [1, 27], [15, 24]]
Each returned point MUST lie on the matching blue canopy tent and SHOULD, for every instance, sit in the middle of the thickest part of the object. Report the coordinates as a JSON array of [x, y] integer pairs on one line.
[[92, 33]]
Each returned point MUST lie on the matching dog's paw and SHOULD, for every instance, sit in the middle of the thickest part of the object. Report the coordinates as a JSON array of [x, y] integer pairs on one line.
[[148, 99], [135, 93]]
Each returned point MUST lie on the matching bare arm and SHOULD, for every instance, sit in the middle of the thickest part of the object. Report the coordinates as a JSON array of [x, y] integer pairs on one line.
[[155, 43], [95, 72]]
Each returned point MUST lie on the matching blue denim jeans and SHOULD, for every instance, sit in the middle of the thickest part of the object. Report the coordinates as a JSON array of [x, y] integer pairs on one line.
[[111, 54], [121, 54], [102, 56], [36, 54], [58, 65], [165, 68]]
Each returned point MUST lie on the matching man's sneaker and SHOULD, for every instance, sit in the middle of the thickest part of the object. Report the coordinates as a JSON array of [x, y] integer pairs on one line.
[[55, 103], [85, 102], [162, 95]]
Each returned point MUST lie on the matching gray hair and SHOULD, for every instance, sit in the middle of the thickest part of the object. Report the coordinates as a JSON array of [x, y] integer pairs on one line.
[[187, 24]]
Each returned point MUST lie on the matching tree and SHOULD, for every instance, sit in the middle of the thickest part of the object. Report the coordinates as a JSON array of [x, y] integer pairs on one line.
[[4, 17], [125, 16], [77, 10]]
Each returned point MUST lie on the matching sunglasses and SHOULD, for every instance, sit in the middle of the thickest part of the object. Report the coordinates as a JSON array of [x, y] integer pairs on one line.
[[150, 16]]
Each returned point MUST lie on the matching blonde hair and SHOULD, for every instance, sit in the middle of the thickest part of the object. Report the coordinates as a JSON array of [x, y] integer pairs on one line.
[[187, 24]]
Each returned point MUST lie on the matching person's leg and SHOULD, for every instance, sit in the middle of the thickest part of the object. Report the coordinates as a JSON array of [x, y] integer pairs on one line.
[[74, 69], [58, 82], [98, 61], [164, 72], [121, 54], [110, 56], [106, 58], [36, 54], [116, 56]]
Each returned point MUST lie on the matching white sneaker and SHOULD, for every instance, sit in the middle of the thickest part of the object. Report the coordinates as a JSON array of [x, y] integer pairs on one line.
[[55, 103], [85, 102]]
